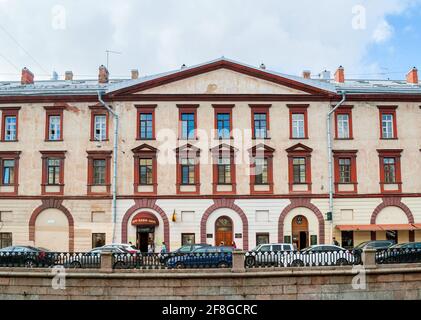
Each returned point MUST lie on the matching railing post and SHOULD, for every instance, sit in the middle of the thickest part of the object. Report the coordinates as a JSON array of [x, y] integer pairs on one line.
[[238, 261], [368, 258], [106, 261]]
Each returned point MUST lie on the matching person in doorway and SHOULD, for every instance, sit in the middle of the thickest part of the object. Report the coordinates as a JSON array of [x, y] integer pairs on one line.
[[150, 248], [336, 243], [164, 248]]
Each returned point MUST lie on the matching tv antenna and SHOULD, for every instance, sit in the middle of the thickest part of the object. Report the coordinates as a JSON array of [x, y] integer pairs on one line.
[[108, 56]]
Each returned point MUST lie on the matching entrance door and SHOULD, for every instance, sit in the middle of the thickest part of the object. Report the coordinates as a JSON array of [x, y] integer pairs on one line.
[[223, 229], [144, 236], [300, 232]]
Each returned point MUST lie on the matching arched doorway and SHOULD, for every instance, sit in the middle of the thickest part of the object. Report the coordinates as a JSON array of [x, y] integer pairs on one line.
[[145, 224], [52, 230], [300, 233], [223, 231]]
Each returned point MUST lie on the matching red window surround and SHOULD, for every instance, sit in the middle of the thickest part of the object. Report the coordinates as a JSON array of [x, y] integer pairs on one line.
[[98, 111], [45, 155], [266, 152], [53, 111], [299, 151], [99, 155], [260, 108], [298, 109], [187, 108], [10, 155], [145, 151], [13, 111], [346, 154], [344, 110], [385, 110], [225, 151], [146, 108], [190, 152], [222, 108], [390, 153]]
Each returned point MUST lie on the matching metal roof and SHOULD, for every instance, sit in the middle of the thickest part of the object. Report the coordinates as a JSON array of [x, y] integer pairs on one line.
[[90, 87]]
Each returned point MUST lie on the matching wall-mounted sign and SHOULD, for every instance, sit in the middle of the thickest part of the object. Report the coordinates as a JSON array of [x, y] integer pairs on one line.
[[145, 219], [313, 240], [209, 236], [238, 235]]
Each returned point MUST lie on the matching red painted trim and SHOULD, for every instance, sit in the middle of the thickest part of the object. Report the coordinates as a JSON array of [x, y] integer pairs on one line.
[[45, 156], [7, 112], [301, 203], [188, 151], [145, 204], [222, 108], [299, 151], [346, 154], [392, 202], [56, 204], [99, 111], [344, 110], [184, 108], [145, 109], [145, 151], [388, 110], [267, 153], [53, 111], [228, 204], [99, 155], [12, 155], [263, 108], [224, 150], [298, 109], [389, 153]]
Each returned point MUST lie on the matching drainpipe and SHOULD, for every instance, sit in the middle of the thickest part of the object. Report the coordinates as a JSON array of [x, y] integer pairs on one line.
[[330, 158], [115, 154]]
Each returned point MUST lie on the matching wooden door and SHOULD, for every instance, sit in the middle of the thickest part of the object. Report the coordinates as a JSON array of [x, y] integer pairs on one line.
[[300, 232], [223, 230]]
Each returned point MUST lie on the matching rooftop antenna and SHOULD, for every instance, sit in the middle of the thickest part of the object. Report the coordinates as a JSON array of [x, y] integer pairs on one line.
[[108, 56]]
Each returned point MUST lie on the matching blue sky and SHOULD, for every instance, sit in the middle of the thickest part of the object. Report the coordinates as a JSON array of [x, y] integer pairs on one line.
[[160, 35]]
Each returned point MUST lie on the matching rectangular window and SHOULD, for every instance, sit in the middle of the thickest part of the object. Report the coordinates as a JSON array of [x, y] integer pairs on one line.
[[343, 126], [344, 170], [99, 171], [8, 174], [299, 170], [389, 165], [188, 126], [261, 171], [5, 239], [298, 125], [146, 126], [187, 239], [260, 125], [10, 128], [145, 171], [224, 171], [223, 122], [347, 239], [98, 240], [100, 127], [187, 171], [387, 126], [54, 127], [262, 238], [53, 170]]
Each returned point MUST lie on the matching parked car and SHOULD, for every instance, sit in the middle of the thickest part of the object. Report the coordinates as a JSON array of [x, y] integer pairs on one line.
[[189, 248], [209, 256], [318, 255], [92, 259], [267, 254], [400, 253], [128, 247], [374, 244], [26, 256]]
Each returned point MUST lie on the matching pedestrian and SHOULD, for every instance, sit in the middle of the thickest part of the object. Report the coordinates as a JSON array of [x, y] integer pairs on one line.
[[150, 248], [336, 243], [164, 248], [234, 245]]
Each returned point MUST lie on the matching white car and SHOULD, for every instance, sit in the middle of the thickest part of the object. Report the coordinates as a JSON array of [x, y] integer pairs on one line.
[[128, 247], [267, 254], [319, 255]]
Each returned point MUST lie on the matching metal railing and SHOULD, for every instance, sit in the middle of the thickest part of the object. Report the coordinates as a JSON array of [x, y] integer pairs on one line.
[[392, 256], [49, 259], [172, 260], [301, 259]]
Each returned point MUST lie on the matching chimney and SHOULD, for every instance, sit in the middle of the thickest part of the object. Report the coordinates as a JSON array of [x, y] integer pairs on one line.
[[263, 66], [54, 76], [135, 74], [306, 74], [68, 76], [412, 76], [103, 74], [340, 75], [325, 75], [27, 76]]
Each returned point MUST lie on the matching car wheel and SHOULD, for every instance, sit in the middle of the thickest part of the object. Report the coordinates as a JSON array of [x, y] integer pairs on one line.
[[29, 263], [250, 261], [342, 262], [297, 263], [223, 264], [179, 265], [75, 265], [120, 265]]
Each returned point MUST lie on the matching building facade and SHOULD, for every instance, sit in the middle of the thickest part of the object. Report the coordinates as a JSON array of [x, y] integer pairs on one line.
[[219, 152]]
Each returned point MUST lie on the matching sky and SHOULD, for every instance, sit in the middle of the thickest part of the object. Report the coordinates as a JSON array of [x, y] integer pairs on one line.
[[370, 38]]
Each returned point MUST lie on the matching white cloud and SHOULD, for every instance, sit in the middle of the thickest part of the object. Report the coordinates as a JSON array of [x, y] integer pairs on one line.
[[383, 32], [156, 35]]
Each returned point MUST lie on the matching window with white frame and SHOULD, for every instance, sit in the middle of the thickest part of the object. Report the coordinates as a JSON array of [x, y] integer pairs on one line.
[[10, 128], [387, 126], [54, 128], [298, 123], [100, 123], [343, 126]]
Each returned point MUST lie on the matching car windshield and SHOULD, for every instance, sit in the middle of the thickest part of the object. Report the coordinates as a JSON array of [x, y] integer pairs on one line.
[[257, 248], [361, 245]]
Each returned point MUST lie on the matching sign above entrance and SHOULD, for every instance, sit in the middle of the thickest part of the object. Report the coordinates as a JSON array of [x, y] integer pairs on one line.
[[145, 219]]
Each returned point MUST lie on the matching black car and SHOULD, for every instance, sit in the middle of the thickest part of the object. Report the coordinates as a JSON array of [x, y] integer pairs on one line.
[[188, 248], [92, 259], [400, 253], [375, 244], [26, 256]]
